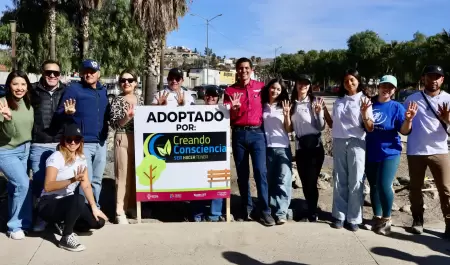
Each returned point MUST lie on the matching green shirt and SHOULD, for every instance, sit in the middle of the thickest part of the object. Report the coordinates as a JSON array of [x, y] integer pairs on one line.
[[18, 130]]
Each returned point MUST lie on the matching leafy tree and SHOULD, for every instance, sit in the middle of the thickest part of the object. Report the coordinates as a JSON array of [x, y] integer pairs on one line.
[[150, 170]]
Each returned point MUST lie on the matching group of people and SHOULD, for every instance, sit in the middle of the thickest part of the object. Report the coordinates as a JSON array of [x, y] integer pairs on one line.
[[366, 143], [61, 132]]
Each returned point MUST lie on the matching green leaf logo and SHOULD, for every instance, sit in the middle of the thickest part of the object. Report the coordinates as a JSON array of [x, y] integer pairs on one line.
[[161, 151], [168, 147], [166, 150]]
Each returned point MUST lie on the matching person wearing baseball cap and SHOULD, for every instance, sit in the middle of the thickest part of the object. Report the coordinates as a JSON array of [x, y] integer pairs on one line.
[[427, 145], [214, 214], [86, 103], [60, 204], [383, 150], [173, 95]]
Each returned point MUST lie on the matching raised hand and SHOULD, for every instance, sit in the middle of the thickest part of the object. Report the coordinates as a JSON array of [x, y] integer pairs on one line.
[[130, 111], [411, 111], [236, 100], [69, 106], [318, 105], [444, 112], [162, 100], [5, 110], [78, 174], [365, 105], [286, 107], [180, 97]]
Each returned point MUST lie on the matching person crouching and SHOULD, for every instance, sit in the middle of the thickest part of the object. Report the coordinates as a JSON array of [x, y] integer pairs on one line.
[[60, 203]]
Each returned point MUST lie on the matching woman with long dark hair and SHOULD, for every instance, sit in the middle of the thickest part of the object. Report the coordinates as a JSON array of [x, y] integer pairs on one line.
[[275, 99], [60, 203], [308, 123], [16, 125], [122, 113], [352, 117]]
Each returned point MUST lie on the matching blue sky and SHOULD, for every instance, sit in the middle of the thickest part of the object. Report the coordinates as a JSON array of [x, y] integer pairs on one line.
[[257, 27]]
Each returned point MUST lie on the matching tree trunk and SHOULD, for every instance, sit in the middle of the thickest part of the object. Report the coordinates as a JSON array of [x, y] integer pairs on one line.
[[151, 82], [161, 64], [85, 31], [52, 29]]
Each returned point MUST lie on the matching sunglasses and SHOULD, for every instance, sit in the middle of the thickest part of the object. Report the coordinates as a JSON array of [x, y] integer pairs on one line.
[[129, 80], [171, 78], [50, 72], [76, 140]]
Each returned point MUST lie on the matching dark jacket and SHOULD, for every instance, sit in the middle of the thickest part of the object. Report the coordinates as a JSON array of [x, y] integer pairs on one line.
[[92, 110], [46, 128]]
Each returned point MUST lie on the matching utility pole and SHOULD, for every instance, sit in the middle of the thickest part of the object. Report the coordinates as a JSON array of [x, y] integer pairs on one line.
[[13, 44], [207, 43], [275, 61]]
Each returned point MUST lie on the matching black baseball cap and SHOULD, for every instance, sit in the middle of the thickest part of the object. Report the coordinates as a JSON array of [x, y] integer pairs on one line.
[[212, 91], [302, 77], [72, 130], [175, 73], [433, 69]]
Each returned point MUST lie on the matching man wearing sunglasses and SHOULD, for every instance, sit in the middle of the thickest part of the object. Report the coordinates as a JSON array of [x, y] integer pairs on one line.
[[87, 104], [173, 95], [45, 98]]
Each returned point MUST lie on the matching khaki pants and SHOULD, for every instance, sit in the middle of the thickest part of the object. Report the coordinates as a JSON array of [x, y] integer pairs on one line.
[[125, 172], [440, 169]]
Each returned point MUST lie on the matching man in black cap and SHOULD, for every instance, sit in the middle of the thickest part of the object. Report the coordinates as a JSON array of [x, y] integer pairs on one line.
[[173, 95], [427, 145]]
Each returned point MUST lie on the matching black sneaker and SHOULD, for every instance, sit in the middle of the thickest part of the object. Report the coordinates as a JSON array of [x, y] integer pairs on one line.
[[313, 218], [71, 243], [267, 219], [338, 224], [417, 226]]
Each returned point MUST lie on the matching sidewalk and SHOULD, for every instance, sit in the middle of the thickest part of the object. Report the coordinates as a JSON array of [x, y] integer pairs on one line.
[[233, 243]]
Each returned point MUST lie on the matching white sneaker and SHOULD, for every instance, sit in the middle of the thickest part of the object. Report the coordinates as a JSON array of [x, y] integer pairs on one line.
[[122, 220], [71, 243], [18, 235], [39, 226]]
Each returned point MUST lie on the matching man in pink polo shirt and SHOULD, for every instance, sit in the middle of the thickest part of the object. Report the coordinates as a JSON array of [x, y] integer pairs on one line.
[[244, 99]]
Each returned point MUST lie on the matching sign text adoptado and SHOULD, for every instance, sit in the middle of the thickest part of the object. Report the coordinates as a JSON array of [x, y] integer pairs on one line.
[[182, 153]]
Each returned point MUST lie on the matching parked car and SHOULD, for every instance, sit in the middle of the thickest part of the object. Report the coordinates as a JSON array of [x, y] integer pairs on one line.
[[2, 90], [403, 94]]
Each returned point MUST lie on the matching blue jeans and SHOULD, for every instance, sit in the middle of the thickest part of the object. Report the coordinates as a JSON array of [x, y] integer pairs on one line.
[[381, 176], [38, 158], [253, 143], [13, 163], [214, 213], [96, 161], [349, 156], [279, 177]]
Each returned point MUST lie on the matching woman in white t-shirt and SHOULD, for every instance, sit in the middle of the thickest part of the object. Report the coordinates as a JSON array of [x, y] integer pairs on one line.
[[275, 99], [60, 203], [308, 122], [352, 117]]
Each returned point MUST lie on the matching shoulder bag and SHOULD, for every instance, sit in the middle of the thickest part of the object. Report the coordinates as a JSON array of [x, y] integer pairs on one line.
[[435, 114]]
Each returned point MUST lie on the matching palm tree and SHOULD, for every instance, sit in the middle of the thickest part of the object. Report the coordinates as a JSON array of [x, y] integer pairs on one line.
[[86, 6], [156, 18], [52, 27]]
